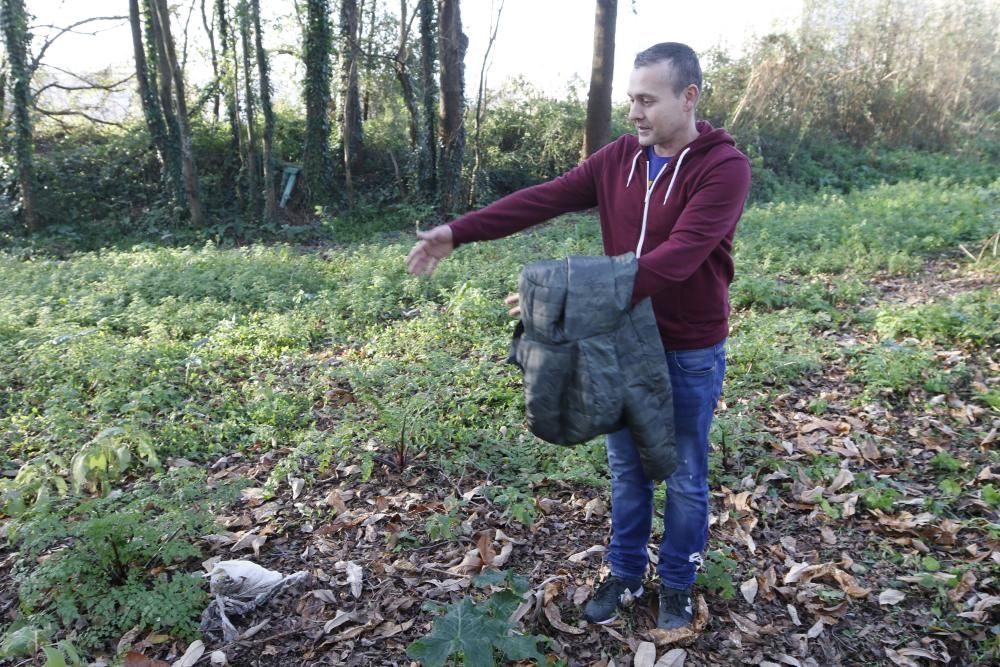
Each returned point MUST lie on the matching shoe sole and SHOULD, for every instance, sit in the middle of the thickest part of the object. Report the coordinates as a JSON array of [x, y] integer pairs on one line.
[[614, 617]]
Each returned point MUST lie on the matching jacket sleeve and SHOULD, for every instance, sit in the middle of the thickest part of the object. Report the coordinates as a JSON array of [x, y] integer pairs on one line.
[[709, 216], [576, 190]]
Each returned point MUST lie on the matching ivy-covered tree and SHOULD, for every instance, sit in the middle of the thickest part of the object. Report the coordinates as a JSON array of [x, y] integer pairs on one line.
[[168, 58], [263, 71], [251, 165], [228, 71], [151, 109], [17, 38], [452, 44], [316, 163], [428, 63], [350, 129]]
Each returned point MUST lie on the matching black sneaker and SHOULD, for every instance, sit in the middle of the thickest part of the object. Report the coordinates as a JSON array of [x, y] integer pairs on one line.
[[613, 594], [675, 608]]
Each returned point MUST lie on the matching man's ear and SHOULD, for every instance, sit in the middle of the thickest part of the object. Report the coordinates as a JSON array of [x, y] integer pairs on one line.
[[691, 96]]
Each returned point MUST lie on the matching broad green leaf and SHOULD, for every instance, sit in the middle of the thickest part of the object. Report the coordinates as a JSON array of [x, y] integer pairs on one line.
[[490, 578], [69, 651], [463, 629], [23, 641], [53, 657], [522, 647], [431, 651]]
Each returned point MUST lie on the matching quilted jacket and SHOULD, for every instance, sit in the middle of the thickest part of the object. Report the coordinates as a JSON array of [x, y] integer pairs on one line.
[[593, 363]]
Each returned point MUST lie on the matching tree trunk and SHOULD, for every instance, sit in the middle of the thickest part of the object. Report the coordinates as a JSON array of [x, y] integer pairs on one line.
[[210, 31], [452, 45], [159, 70], [150, 103], [188, 168], [229, 66], [270, 199], [351, 130], [428, 58], [16, 37], [403, 76], [598, 125], [249, 109], [369, 55], [316, 164]]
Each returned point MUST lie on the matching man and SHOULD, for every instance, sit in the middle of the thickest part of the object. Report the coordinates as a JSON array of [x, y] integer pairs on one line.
[[672, 194]]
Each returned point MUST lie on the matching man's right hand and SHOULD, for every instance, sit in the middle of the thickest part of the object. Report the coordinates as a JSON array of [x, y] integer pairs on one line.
[[434, 245]]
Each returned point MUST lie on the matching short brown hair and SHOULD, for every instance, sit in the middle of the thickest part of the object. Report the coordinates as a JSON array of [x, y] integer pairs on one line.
[[686, 68]]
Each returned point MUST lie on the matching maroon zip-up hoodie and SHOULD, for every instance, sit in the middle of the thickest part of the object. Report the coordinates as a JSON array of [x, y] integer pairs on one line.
[[685, 223]]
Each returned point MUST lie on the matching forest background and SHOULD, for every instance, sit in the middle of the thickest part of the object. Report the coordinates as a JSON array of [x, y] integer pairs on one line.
[[201, 359]]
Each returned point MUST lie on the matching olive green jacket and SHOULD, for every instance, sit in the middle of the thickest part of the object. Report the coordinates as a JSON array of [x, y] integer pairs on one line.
[[593, 363]]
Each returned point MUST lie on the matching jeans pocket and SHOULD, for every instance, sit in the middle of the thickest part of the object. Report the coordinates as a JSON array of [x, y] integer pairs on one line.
[[695, 363]]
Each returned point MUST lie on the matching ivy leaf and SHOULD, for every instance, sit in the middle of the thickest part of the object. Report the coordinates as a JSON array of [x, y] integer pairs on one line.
[[523, 647], [463, 629]]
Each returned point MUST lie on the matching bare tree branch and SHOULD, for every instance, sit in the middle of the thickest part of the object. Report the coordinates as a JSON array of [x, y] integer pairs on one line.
[[66, 112], [70, 28], [110, 87]]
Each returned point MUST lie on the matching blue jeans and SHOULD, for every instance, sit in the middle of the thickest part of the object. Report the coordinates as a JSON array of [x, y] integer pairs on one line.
[[696, 378]]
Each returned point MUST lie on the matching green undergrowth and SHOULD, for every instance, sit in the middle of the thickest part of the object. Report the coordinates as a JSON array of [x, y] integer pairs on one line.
[[114, 361]]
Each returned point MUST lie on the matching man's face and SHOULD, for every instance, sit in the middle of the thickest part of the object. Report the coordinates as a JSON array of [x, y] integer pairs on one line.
[[661, 116]]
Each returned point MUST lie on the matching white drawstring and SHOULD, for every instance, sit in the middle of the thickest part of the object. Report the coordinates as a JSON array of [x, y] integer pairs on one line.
[[635, 161], [676, 171], [649, 191]]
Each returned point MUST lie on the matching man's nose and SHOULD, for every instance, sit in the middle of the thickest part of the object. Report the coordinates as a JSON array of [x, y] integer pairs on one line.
[[634, 111]]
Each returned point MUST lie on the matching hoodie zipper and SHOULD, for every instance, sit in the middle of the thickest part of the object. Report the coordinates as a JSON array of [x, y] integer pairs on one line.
[[649, 193]]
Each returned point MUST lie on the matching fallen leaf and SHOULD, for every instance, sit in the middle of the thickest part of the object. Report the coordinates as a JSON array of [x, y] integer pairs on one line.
[[817, 424], [913, 652], [391, 629], [745, 625], [578, 557], [645, 655], [252, 496], [594, 507], [554, 617], [675, 657], [336, 501], [218, 658], [581, 594], [485, 547], [901, 660], [551, 591], [890, 597], [964, 586], [749, 589], [843, 478], [136, 659], [251, 631], [341, 618], [505, 551], [192, 655], [793, 613], [297, 484], [816, 630], [471, 564]]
